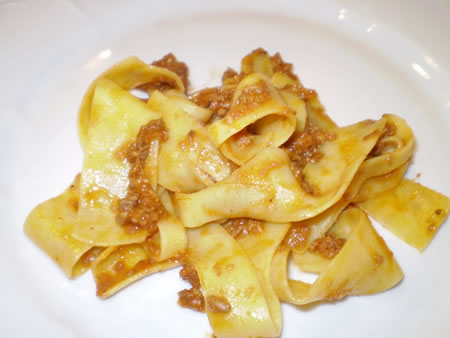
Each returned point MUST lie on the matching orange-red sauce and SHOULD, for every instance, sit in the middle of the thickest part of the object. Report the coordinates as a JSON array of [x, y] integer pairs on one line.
[[141, 207], [303, 147], [327, 246]]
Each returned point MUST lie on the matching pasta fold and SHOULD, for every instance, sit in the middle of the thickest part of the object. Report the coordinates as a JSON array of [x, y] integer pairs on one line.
[[235, 302], [265, 188], [50, 226], [411, 211], [260, 249], [234, 183], [115, 120], [188, 161], [380, 171], [129, 73], [364, 265], [257, 118], [119, 266]]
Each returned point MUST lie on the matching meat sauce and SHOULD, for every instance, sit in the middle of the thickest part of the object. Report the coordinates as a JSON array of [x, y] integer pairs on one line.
[[241, 227], [297, 236], [327, 246], [303, 147], [218, 100], [191, 298], [162, 83], [171, 63], [250, 99], [141, 207], [121, 270]]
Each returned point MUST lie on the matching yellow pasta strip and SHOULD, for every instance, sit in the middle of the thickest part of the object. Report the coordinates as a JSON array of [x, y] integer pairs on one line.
[[188, 159], [260, 248], [115, 119], [257, 62], [377, 173], [310, 262], [317, 116], [50, 226], [227, 275], [390, 152], [298, 105], [127, 74], [364, 265], [258, 107], [265, 188], [182, 101], [376, 185], [173, 239], [122, 265], [411, 211]]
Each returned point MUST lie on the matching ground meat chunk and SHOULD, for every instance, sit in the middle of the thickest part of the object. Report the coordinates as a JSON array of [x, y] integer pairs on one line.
[[229, 74], [297, 236], [164, 82], [189, 274], [302, 92], [141, 207], [303, 148], [283, 67], [327, 246], [192, 299], [218, 100], [153, 244], [171, 63], [241, 227]]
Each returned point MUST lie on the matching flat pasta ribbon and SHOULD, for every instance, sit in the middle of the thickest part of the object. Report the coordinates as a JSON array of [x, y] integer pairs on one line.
[[130, 73], [265, 188], [188, 160], [410, 211], [50, 226], [119, 266], [115, 119], [261, 248], [364, 265], [164, 179], [257, 118], [235, 301], [380, 171]]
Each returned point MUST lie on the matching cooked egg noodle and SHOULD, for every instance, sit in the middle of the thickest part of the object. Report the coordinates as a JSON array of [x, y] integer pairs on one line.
[[364, 265], [377, 173], [265, 187], [119, 266], [129, 73], [188, 160], [50, 226], [228, 274], [258, 117], [410, 211]]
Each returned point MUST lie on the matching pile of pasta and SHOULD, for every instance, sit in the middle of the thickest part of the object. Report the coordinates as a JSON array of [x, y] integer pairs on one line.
[[234, 183]]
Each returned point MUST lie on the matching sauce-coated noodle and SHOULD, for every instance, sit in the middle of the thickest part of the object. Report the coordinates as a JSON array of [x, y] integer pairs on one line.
[[234, 183]]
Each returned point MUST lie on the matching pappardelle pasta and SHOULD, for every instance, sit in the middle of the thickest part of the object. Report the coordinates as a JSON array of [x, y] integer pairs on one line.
[[234, 183]]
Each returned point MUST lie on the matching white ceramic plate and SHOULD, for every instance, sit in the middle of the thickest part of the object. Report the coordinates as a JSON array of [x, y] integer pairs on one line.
[[365, 58]]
